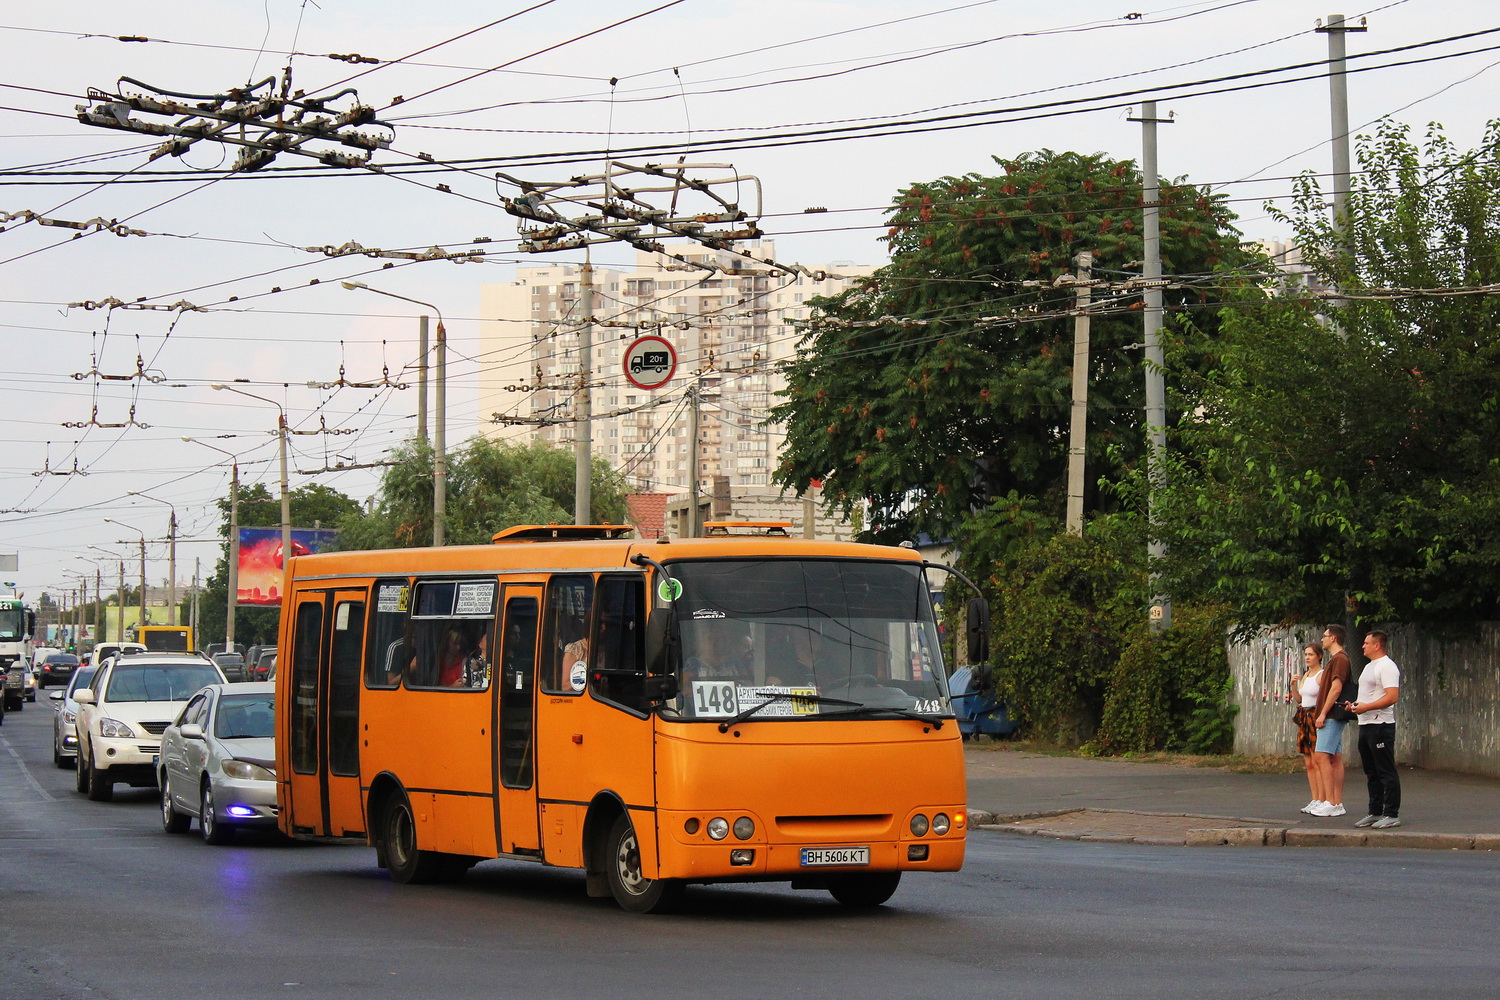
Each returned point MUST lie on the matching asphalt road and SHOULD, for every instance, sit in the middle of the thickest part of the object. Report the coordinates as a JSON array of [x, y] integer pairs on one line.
[[96, 901]]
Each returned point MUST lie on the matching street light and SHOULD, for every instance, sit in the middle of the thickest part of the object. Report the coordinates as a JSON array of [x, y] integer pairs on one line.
[[286, 504], [119, 600], [440, 415], [234, 541], [138, 531], [171, 554]]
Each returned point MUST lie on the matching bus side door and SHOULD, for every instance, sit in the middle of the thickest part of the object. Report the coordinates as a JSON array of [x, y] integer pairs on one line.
[[516, 822], [323, 742]]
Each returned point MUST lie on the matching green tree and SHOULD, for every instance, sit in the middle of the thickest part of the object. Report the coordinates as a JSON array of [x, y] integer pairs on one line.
[[1357, 451], [312, 505], [944, 380], [491, 485]]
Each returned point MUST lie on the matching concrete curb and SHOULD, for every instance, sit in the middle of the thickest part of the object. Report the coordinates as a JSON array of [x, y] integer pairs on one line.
[[1247, 832]]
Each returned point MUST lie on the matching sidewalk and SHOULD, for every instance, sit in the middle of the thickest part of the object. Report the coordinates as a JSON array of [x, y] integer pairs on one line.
[[1122, 801]]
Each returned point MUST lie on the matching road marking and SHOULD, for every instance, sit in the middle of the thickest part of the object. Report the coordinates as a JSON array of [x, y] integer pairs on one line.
[[26, 772]]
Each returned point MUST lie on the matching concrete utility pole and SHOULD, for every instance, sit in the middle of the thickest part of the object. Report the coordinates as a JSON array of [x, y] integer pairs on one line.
[[422, 378], [694, 417], [1338, 107], [120, 607], [1156, 407], [583, 427], [440, 421], [233, 573], [1338, 115], [1078, 421]]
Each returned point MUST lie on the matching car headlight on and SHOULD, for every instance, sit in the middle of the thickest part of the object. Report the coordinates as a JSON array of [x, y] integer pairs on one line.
[[246, 771], [116, 729]]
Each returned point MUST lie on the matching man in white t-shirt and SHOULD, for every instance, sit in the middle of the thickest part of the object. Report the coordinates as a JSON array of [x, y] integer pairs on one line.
[[1379, 689]]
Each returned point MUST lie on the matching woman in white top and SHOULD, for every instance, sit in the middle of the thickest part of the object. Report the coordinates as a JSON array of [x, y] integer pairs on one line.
[[1305, 687]]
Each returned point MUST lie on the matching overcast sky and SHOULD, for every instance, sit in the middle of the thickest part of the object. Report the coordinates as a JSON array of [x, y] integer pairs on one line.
[[753, 81]]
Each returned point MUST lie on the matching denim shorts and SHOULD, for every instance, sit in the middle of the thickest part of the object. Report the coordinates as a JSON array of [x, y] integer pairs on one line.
[[1331, 737]]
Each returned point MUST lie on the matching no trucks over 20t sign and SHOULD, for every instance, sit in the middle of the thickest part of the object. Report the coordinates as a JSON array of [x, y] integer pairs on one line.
[[650, 362]]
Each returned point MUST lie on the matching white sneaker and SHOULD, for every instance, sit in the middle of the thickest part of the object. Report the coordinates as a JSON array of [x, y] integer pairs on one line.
[[1309, 807], [1332, 811], [1322, 809]]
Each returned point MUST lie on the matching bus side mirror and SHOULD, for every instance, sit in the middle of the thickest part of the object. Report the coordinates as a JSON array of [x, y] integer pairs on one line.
[[660, 636], [978, 630]]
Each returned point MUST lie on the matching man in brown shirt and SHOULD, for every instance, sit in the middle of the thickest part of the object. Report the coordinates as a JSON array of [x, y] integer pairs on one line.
[[1332, 721]]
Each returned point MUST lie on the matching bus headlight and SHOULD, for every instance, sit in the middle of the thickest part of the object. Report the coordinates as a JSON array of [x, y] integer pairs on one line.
[[940, 824], [718, 828], [919, 825], [744, 828]]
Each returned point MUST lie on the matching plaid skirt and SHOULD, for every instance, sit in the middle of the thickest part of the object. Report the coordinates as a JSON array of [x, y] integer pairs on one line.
[[1307, 730]]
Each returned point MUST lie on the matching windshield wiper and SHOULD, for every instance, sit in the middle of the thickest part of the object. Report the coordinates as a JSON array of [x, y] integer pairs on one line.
[[936, 722], [774, 696]]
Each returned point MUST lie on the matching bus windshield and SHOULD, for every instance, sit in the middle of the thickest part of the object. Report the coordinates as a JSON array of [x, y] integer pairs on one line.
[[12, 623], [805, 639]]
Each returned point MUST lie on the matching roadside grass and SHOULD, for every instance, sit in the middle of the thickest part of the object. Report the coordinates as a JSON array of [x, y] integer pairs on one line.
[[1237, 763]]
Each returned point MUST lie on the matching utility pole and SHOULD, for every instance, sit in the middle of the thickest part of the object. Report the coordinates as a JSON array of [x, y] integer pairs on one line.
[[694, 416], [1338, 114], [440, 441], [583, 427], [1156, 407], [422, 378], [172, 569], [1338, 104], [143, 580], [99, 633], [120, 607], [1078, 422]]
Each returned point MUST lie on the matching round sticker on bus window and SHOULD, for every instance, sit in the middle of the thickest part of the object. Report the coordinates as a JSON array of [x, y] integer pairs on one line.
[[669, 590], [578, 676]]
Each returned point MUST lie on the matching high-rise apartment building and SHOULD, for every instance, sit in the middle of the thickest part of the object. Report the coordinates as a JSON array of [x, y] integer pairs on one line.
[[729, 329]]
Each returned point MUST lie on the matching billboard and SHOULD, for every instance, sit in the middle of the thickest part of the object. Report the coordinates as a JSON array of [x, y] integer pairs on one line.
[[260, 560]]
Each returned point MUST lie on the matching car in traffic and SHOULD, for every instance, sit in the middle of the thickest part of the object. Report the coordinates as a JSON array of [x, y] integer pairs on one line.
[[64, 721], [30, 681], [122, 715], [14, 683], [218, 762], [55, 667], [265, 666], [233, 665]]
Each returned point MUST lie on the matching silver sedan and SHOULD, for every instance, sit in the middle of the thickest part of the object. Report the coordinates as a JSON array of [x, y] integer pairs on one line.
[[218, 762]]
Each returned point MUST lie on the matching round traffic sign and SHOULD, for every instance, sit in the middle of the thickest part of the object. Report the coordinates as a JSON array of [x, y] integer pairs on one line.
[[650, 362]]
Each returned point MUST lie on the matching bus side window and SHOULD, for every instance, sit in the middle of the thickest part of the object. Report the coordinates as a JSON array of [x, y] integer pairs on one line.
[[619, 665], [386, 655], [564, 642], [450, 634]]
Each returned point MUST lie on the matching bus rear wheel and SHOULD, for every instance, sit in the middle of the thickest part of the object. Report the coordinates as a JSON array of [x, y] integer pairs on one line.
[[865, 889], [633, 891], [406, 863]]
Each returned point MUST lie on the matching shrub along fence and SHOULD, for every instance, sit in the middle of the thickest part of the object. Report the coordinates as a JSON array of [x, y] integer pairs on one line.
[[1448, 717]]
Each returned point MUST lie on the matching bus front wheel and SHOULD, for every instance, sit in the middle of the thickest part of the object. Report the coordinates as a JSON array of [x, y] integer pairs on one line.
[[867, 889], [633, 891], [405, 862]]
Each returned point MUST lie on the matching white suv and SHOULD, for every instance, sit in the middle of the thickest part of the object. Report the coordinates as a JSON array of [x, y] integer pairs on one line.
[[121, 717]]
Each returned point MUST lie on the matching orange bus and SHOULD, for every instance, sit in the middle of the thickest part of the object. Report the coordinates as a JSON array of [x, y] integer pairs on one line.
[[723, 709]]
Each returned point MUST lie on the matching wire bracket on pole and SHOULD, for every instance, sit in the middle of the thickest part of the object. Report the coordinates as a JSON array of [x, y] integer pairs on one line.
[[616, 207], [255, 118]]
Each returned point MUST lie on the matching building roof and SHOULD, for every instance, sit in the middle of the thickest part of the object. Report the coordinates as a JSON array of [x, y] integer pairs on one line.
[[648, 512]]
